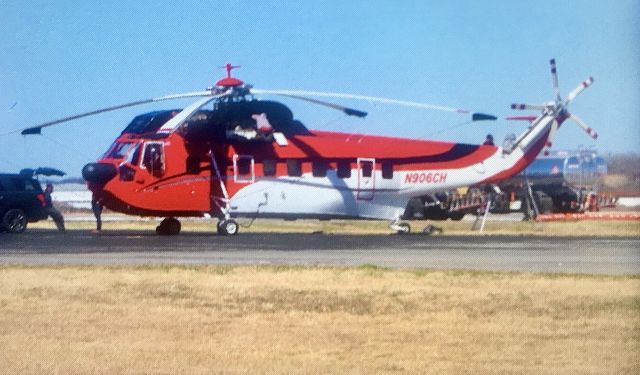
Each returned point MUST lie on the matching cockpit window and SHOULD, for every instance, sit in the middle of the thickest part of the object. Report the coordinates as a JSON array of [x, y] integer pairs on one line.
[[134, 156], [120, 150], [149, 122], [153, 158]]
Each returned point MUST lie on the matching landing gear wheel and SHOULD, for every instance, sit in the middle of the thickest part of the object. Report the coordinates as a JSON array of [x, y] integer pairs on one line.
[[219, 227], [403, 228], [169, 227], [431, 230], [14, 221], [228, 227]]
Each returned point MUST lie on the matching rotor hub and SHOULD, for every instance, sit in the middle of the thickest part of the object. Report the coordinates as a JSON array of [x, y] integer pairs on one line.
[[229, 81]]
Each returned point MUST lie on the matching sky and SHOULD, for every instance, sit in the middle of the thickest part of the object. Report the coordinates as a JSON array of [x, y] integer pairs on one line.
[[59, 58]]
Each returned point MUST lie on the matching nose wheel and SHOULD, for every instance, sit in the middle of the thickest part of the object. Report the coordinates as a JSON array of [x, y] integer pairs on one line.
[[228, 227]]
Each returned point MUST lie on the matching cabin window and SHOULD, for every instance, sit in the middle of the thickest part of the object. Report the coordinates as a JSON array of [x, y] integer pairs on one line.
[[319, 168], [344, 169], [193, 164], [243, 166], [126, 173], [387, 170], [294, 167], [269, 168], [153, 158], [367, 168]]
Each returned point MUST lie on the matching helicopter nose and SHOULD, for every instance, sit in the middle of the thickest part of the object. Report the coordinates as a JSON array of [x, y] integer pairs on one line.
[[99, 173]]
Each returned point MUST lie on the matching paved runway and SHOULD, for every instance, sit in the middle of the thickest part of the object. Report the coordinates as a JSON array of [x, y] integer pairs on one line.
[[498, 253]]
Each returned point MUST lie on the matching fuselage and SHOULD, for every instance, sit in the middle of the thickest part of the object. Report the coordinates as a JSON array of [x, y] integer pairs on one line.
[[188, 169]]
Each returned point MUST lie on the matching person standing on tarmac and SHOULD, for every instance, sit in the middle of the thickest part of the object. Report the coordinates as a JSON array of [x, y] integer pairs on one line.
[[52, 211], [96, 207]]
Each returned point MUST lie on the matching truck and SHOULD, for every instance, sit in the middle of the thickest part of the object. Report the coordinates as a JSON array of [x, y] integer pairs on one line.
[[556, 183]]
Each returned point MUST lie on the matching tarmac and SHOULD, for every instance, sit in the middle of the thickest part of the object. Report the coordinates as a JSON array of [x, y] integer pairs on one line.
[[584, 255]]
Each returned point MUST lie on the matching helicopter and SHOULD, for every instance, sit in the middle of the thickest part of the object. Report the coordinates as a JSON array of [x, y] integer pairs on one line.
[[230, 154]]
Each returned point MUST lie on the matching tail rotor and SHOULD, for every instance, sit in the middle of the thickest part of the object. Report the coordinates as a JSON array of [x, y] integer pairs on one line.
[[558, 107]]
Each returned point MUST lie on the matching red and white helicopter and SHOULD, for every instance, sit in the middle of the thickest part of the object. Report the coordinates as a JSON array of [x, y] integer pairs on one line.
[[232, 155]]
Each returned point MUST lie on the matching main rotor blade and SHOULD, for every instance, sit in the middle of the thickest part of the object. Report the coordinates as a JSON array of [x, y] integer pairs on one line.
[[37, 129], [346, 110], [373, 99], [482, 117], [572, 95], [554, 79], [592, 133], [187, 113]]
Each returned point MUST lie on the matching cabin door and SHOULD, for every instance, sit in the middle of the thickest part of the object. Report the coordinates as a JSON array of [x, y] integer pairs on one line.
[[366, 178]]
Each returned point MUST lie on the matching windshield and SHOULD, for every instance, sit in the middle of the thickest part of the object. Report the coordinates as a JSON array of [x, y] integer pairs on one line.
[[119, 150], [149, 122]]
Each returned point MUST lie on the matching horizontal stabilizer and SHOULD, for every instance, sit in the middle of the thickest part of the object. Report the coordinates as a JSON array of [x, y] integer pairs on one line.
[[521, 118]]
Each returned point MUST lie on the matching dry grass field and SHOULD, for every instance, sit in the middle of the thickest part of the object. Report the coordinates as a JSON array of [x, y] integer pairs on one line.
[[207, 319]]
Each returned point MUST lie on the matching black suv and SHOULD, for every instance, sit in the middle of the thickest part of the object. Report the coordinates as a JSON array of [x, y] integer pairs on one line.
[[21, 201]]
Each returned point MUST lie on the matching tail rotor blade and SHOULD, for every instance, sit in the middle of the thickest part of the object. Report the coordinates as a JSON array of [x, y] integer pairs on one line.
[[524, 107], [572, 95], [592, 133], [554, 78]]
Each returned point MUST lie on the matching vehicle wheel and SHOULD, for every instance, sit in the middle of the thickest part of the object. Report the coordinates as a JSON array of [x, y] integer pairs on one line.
[[169, 227], [403, 228], [228, 227], [544, 202], [14, 221]]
